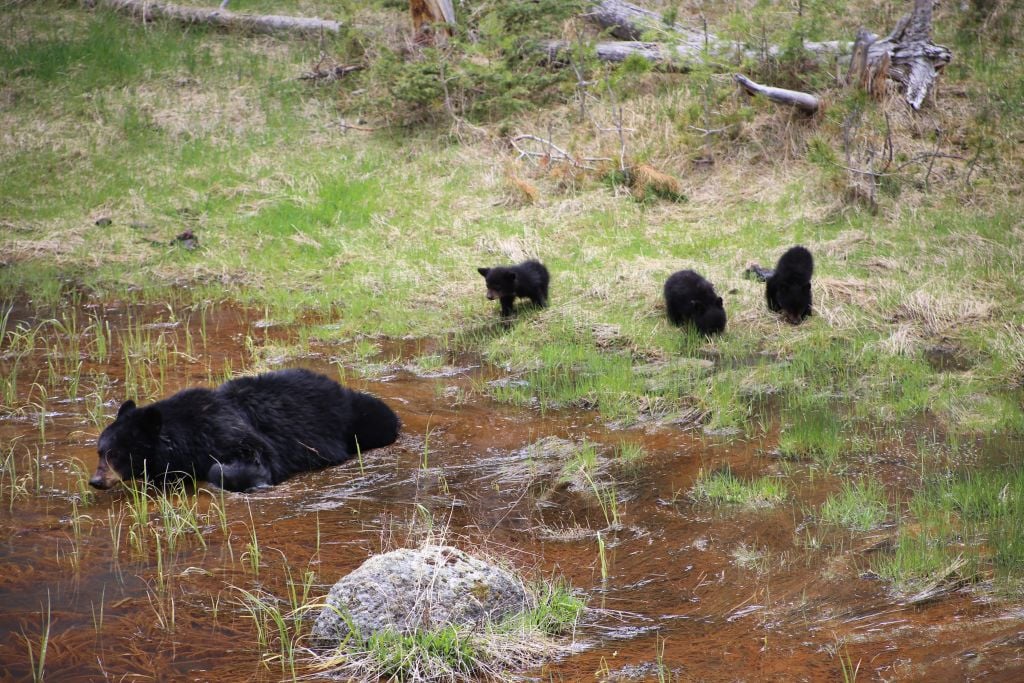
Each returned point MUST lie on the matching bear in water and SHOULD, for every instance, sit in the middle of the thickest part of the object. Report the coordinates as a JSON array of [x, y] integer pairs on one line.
[[247, 433]]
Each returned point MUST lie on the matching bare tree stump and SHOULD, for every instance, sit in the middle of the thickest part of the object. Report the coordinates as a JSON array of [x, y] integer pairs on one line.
[[907, 56], [429, 14]]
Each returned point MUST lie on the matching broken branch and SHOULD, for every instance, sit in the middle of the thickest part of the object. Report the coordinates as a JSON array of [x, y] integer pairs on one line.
[[794, 98]]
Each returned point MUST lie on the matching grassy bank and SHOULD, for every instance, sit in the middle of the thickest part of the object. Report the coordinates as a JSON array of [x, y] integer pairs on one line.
[[118, 137]]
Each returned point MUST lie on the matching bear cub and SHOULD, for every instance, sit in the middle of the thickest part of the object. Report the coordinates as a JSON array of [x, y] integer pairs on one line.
[[527, 280], [691, 298], [247, 433], [788, 289]]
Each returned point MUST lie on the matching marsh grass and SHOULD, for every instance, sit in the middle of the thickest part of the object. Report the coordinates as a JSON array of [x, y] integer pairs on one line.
[[860, 505], [278, 632], [724, 487], [961, 529], [37, 649]]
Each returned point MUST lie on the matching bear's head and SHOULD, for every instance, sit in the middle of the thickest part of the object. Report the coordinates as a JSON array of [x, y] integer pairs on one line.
[[709, 317], [501, 281], [127, 444], [794, 299]]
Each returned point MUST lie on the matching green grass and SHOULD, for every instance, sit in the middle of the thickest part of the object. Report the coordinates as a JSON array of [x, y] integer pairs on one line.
[[974, 516], [860, 505], [724, 487]]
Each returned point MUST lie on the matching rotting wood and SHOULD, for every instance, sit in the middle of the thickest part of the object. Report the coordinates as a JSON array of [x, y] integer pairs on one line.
[[907, 55], [794, 98], [147, 10]]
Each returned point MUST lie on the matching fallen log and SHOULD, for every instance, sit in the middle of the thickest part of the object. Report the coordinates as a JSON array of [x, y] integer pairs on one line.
[[794, 98], [907, 56], [626, 21], [148, 10], [560, 52], [629, 22]]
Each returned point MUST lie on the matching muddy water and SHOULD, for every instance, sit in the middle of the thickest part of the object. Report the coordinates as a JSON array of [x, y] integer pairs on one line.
[[722, 594]]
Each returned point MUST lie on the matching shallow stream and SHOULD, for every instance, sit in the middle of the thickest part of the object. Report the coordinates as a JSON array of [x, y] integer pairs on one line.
[[693, 591]]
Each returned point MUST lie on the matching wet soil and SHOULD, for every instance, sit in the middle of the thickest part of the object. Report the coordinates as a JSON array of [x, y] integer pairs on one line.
[[726, 594]]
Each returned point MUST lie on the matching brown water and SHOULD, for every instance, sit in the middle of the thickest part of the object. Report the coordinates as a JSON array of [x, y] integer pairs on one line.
[[798, 606]]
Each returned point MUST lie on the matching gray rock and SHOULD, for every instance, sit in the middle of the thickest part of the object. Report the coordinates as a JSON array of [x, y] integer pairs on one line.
[[419, 588]]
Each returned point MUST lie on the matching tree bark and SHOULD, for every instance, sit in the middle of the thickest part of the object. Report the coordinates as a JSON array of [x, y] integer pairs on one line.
[[794, 98], [148, 10], [427, 14], [907, 56]]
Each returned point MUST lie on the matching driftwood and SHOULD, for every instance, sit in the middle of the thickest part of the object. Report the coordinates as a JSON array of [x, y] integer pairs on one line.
[[794, 98], [147, 10], [907, 56]]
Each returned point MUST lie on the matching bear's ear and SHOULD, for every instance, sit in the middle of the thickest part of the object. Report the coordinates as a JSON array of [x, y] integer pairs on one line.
[[125, 407], [483, 271], [698, 306], [718, 302], [151, 420]]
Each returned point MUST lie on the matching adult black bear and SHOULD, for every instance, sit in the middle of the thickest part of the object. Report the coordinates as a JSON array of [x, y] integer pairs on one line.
[[691, 298], [529, 279], [788, 289], [247, 433]]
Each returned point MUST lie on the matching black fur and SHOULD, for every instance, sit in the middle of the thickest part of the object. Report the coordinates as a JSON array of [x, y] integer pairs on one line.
[[788, 290], [246, 433], [529, 279], [691, 298]]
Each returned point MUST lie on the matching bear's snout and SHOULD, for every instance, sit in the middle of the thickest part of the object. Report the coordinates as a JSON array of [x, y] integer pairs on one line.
[[104, 477], [491, 295]]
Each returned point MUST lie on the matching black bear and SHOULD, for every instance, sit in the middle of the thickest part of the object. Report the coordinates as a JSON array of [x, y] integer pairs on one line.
[[788, 288], [691, 298], [247, 433], [529, 279]]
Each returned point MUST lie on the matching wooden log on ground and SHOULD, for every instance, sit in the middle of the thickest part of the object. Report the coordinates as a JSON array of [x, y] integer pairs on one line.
[[148, 10], [794, 98], [630, 22], [559, 51], [626, 21], [907, 56]]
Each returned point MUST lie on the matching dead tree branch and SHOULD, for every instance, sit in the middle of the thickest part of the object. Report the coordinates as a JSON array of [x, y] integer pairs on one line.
[[805, 102], [148, 10], [550, 151]]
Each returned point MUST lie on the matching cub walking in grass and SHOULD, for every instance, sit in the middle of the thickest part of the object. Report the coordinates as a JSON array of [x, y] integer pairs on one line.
[[527, 280], [689, 298]]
